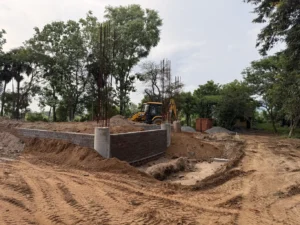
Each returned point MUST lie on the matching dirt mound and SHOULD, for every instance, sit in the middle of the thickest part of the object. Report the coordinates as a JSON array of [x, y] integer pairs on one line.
[[163, 170], [6, 123], [68, 155], [10, 146], [186, 145], [119, 120], [218, 130], [125, 129]]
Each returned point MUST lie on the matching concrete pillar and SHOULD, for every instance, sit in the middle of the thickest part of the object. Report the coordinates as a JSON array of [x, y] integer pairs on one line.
[[177, 126], [167, 127], [102, 141]]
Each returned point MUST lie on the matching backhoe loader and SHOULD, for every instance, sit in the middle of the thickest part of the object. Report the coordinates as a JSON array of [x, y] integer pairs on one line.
[[151, 113]]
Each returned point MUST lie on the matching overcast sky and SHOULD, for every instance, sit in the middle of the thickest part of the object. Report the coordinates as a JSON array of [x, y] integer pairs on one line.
[[205, 40]]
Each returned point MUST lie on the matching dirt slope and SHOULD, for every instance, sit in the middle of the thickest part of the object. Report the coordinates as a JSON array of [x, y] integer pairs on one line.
[[186, 145], [264, 190]]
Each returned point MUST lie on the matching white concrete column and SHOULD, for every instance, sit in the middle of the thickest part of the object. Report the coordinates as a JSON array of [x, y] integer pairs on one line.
[[167, 127], [102, 141], [177, 126]]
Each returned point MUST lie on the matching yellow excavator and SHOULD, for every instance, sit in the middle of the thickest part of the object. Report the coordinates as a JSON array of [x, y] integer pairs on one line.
[[152, 113]]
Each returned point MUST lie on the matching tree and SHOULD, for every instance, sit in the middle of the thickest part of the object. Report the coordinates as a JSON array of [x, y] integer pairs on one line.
[[136, 32], [64, 56], [187, 103], [282, 18], [207, 97], [150, 75], [235, 103], [5, 77], [2, 39], [263, 77]]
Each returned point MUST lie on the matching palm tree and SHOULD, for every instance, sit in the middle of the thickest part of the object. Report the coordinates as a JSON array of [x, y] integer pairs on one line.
[[6, 77]]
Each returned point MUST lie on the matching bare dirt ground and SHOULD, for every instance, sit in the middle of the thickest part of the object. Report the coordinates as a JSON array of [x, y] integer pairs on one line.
[[118, 124], [46, 188]]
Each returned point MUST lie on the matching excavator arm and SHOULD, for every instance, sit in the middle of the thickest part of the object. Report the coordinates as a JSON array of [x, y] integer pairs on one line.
[[172, 109]]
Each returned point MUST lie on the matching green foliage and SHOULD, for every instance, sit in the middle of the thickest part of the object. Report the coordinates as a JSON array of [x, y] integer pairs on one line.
[[34, 117], [136, 32], [62, 113], [207, 96], [187, 103], [282, 18], [235, 103], [2, 39]]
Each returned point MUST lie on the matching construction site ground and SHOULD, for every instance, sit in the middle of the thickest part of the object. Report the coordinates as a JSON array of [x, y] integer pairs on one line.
[[52, 182], [118, 124]]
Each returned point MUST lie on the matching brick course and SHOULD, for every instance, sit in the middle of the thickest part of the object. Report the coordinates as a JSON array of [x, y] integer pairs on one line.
[[136, 146], [85, 140]]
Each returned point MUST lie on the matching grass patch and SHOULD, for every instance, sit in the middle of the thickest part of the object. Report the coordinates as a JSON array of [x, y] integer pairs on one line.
[[283, 131]]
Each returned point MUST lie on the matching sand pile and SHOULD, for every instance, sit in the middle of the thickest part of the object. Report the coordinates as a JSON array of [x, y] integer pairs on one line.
[[68, 155], [186, 145], [10, 146], [218, 130]]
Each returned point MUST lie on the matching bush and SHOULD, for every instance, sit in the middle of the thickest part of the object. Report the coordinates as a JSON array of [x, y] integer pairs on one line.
[[33, 117]]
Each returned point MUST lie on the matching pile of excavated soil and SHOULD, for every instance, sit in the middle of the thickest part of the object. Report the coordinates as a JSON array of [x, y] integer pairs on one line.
[[10, 146], [68, 155], [163, 170], [119, 120], [218, 130], [186, 145], [118, 124]]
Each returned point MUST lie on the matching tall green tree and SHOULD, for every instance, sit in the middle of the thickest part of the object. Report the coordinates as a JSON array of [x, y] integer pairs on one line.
[[236, 102], [187, 105], [64, 56], [207, 97], [136, 32], [263, 77]]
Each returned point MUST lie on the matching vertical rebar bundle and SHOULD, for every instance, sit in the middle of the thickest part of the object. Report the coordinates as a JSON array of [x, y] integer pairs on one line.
[[105, 66]]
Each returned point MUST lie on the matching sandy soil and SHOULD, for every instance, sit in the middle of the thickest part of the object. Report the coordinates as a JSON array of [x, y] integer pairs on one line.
[[118, 124], [200, 171], [262, 189]]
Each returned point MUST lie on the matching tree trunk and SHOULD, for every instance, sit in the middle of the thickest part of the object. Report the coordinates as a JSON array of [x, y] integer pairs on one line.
[[187, 119], [49, 114], [54, 113], [274, 126], [3, 99], [121, 102], [18, 101], [292, 127]]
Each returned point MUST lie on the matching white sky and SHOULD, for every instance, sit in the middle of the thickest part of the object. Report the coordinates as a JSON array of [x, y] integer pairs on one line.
[[205, 40]]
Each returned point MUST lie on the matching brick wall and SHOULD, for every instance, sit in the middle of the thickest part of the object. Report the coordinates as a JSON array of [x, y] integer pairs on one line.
[[130, 147], [136, 146], [85, 140]]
